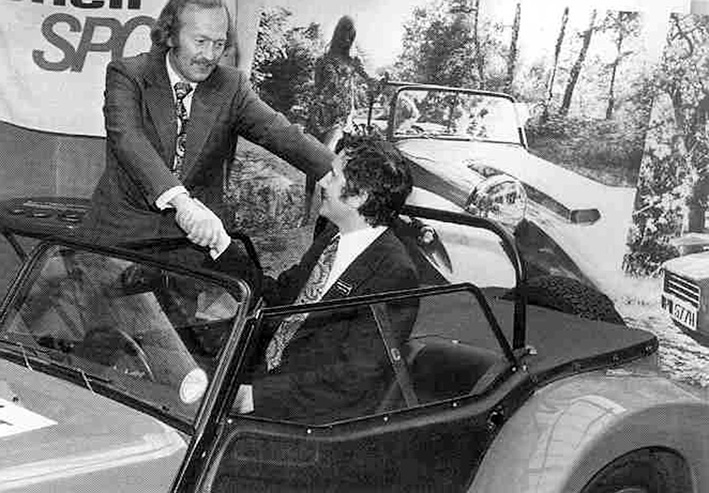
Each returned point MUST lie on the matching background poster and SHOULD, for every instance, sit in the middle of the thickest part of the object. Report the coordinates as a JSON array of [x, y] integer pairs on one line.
[[54, 53]]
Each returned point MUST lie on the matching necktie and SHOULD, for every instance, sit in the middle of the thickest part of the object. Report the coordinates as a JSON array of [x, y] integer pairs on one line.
[[182, 89], [312, 291]]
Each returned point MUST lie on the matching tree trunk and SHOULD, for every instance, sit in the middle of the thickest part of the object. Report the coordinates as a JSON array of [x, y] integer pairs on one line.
[[623, 24], [557, 52], [699, 157], [578, 65], [512, 58], [614, 71], [479, 58]]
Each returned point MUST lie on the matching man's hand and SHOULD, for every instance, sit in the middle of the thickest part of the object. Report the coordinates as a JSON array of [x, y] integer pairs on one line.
[[202, 226]]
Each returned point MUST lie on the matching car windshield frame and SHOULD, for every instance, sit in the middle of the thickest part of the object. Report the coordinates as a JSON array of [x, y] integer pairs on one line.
[[408, 86], [29, 357]]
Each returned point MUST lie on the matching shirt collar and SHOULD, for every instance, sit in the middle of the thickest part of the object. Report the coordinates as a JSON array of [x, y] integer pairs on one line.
[[362, 236], [173, 76]]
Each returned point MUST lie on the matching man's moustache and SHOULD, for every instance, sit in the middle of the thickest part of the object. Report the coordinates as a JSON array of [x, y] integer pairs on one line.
[[205, 63]]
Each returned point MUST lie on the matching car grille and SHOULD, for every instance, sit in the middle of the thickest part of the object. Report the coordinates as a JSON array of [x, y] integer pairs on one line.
[[682, 288]]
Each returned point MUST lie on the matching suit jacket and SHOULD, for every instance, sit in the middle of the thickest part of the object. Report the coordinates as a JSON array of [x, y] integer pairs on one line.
[[335, 367], [141, 129]]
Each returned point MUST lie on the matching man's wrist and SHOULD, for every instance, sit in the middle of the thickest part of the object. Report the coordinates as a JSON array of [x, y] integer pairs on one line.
[[221, 245], [164, 200], [180, 200]]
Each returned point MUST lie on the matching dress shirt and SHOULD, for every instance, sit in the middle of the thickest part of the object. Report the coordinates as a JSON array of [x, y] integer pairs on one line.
[[351, 245], [163, 201]]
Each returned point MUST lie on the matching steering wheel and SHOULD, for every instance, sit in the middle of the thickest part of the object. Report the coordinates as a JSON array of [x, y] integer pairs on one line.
[[412, 129], [114, 347], [417, 128]]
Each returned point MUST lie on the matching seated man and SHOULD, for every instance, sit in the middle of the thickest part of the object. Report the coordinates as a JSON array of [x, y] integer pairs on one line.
[[324, 366]]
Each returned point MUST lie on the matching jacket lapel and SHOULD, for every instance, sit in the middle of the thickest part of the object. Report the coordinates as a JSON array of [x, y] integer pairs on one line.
[[160, 103], [208, 99], [360, 270]]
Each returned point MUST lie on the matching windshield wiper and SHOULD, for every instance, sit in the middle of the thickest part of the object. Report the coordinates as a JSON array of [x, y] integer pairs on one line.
[[43, 355], [22, 351]]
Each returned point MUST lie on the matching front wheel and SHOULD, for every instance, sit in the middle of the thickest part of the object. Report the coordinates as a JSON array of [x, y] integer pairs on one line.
[[643, 471]]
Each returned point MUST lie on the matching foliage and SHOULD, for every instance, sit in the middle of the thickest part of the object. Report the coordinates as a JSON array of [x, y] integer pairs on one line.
[[672, 188], [609, 151], [658, 213], [270, 42], [283, 64], [438, 47]]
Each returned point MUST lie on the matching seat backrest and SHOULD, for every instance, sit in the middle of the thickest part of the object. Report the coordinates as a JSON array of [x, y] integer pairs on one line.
[[444, 369], [440, 369]]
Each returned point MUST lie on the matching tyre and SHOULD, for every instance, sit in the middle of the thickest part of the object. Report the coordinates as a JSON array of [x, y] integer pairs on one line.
[[570, 296], [643, 471]]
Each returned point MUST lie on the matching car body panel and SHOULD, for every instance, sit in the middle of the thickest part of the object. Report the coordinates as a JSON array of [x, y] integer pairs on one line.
[[446, 168], [694, 266], [454, 161], [685, 292], [83, 435], [570, 429]]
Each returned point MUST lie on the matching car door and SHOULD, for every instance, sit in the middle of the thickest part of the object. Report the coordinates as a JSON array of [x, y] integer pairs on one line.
[[115, 354], [447, 387]]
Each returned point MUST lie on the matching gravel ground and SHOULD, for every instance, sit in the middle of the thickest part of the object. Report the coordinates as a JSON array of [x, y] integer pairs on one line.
[[681, 357]]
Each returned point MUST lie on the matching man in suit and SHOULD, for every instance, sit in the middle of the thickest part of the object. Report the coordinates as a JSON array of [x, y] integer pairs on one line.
[[172, 120], [334, 365]]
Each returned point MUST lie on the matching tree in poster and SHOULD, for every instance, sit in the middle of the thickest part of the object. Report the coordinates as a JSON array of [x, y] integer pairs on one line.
[[578, 65], [444, 42], [512, 56], [672, 189], [622, 25], [555, 64], [284, 60]]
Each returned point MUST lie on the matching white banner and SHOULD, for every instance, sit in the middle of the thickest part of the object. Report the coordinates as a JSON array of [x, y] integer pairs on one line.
[[53, 56]]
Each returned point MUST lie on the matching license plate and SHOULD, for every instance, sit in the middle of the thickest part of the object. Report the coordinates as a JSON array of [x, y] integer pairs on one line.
[[680, 311]]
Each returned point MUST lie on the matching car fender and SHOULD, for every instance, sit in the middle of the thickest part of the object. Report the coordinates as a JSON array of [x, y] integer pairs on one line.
[[572, 428]]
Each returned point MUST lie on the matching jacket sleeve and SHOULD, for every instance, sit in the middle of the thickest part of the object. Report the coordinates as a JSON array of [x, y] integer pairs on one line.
[[268, 128], [236, 262], [327, 391], [127, 135]]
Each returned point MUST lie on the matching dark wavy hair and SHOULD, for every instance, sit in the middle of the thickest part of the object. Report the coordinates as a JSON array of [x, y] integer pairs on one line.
[[167, 25], [375, 166], [343, 36]]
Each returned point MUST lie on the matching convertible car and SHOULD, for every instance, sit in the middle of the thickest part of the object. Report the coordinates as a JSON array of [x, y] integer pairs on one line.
[[469, 147], [120, 369]]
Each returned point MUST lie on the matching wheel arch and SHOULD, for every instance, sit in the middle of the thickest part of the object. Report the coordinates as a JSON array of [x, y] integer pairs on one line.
[[668, 464], [572, 429]]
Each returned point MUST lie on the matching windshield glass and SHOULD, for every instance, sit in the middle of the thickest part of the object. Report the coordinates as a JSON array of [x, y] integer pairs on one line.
[[452, 114], [441, 343], [143, 331]]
